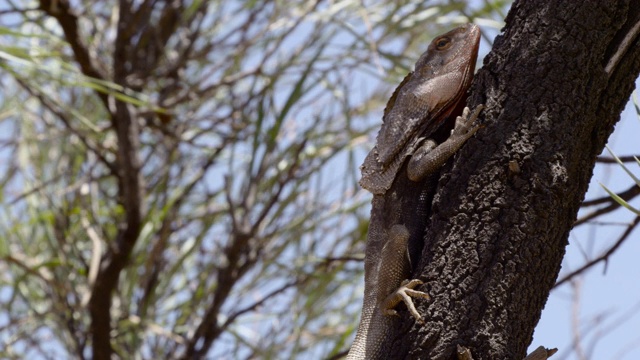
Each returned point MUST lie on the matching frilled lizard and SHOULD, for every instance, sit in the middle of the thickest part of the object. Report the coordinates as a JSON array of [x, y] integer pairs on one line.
[[399, 171]]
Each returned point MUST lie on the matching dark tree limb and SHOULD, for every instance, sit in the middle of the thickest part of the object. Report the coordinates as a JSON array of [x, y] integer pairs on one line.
[[626, 195], [130, 192], [624, 159], [554, 85]]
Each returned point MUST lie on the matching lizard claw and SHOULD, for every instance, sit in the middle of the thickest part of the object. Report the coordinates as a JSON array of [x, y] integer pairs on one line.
[[464, 122], [404, 293]]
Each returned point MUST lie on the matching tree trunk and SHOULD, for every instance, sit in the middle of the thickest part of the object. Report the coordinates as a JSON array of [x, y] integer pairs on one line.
[[554, 85]]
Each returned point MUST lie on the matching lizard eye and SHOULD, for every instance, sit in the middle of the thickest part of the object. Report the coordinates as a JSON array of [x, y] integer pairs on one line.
[[443, 43]]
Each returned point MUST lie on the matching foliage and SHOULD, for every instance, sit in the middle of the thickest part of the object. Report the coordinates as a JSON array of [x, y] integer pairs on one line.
[[193, 166]]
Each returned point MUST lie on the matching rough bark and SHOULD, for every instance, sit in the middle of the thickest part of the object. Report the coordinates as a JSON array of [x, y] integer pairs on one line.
[[503, 212]]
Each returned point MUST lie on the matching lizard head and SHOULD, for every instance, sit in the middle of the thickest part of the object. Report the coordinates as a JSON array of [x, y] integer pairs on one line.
[[453, 52]]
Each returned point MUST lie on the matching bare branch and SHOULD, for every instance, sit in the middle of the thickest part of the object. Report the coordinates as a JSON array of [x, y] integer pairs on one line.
[[603, 257]]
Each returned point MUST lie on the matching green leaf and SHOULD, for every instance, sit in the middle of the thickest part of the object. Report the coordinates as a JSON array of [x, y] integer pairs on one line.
[[631, 175], [619, 200]]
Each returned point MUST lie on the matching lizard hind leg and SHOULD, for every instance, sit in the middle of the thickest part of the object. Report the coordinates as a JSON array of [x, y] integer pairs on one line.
[[393, 270]]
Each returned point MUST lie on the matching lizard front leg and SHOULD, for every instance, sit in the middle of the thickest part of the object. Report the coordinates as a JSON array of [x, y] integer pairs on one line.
[[394, 268], [429, 158]]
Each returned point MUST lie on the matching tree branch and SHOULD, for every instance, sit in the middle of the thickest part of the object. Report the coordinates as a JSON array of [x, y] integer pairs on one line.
[[604, 257], [61, 11]]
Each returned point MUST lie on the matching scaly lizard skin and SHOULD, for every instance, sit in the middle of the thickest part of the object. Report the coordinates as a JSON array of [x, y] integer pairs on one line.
[[417, 117]]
